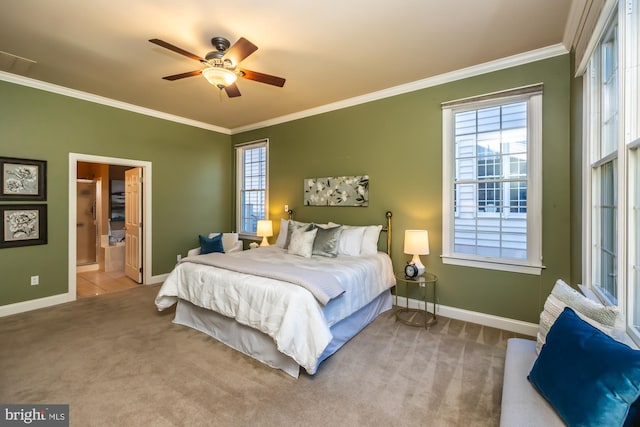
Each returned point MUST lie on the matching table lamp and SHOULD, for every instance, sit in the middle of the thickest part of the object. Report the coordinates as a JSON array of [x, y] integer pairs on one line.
[[416, 243], [265, 229]]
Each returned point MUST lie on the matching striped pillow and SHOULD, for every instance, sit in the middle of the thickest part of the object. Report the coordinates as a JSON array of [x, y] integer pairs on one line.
[[592, 312]]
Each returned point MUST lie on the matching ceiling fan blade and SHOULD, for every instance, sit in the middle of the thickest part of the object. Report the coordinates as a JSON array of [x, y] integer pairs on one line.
[[183, 75], [262, 78], [176, 49], [232, 90], [240, 50]]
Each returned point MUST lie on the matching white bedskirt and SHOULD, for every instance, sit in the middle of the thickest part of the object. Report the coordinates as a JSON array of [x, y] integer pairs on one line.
[[260, 346]]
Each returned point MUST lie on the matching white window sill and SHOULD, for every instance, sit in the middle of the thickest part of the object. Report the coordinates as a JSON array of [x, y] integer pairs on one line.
[[492, 265]]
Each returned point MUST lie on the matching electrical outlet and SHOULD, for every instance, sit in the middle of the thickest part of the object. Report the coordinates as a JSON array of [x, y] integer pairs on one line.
[[35, 280], [178, 257]]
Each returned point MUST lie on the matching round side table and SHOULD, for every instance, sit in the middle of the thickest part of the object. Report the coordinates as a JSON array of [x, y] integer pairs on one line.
[[416, 316]]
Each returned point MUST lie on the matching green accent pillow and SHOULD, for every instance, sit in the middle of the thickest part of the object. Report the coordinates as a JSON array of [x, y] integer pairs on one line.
[[589, 378], [326, 243], [209, 245]]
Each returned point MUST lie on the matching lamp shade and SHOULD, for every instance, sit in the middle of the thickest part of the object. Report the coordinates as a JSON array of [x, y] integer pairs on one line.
[[220, 77], [416, 242], [265, 229]]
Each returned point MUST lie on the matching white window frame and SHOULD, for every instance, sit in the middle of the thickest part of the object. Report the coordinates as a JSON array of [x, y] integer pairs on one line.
[[240, 185], [533, 264], [626, 13], [633, 245], [594, 159], [631, 63]]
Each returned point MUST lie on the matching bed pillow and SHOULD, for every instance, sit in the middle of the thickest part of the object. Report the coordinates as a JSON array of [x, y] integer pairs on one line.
[[369, 245], [282, 235], [350, 241], [210, 244], [326, 241], [563, 295], [589, 378], [370, 240], [301, 242], [292, 226]]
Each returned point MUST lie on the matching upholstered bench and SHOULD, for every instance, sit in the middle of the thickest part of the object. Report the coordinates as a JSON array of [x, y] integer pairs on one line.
[[578, 372], [522, 405]]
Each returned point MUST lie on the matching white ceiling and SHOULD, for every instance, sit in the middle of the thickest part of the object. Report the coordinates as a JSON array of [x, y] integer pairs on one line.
[[328, 51]]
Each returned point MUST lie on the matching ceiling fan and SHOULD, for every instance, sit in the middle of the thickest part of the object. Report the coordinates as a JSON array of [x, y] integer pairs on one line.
[[222, 64]]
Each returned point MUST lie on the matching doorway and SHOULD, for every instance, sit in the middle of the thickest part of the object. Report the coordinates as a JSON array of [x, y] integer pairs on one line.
[[103, 236]]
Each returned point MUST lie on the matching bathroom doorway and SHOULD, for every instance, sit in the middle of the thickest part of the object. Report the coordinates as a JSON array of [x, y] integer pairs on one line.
[[108, 273]]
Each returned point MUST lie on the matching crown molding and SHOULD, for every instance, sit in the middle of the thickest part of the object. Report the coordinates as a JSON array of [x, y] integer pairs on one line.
[[85, 96], [475, 70], [575, 22]]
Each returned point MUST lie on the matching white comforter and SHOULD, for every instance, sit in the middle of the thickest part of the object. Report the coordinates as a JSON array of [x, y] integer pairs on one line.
[[288, 313]]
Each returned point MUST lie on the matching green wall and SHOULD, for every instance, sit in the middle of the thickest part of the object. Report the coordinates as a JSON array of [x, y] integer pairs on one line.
[[397, 141], [191, 167]]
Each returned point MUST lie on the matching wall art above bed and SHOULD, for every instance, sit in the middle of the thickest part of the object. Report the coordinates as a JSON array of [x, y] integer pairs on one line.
[[337, 191]]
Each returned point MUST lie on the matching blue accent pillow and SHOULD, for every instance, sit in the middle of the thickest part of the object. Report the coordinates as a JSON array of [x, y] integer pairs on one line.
[[213, 244], [589, 378]]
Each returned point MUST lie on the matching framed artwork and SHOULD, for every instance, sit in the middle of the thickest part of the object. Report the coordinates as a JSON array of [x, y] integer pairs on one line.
[[117, 200], [23, 179], [337, 191], [23, 225]]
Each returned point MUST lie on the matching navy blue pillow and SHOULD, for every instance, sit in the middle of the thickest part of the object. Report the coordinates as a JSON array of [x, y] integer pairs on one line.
[[589, 378], [213, 244]]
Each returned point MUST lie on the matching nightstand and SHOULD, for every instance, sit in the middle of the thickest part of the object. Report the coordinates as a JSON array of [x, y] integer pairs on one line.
[[416, 316]]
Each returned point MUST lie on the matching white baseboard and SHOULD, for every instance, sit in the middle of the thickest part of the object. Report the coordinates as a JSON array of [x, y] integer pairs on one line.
[[507, 324], [157, 279], [512, 325], [20, 307]]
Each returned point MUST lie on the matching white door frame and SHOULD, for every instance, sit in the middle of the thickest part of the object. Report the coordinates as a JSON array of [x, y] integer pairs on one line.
[[74, 158]]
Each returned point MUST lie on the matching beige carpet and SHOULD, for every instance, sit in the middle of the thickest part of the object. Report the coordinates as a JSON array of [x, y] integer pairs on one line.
[[117, 361]]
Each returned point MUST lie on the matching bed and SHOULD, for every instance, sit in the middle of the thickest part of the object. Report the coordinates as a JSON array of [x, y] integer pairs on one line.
[[280, 304]]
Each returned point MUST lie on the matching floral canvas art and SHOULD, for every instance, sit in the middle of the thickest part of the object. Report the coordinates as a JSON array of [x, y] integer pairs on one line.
[[337, 191]]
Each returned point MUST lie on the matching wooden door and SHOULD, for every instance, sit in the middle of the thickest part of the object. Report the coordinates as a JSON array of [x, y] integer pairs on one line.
[[133, 224]]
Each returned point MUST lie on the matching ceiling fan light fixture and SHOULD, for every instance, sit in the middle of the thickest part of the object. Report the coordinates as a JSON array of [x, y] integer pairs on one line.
[[219, 77]]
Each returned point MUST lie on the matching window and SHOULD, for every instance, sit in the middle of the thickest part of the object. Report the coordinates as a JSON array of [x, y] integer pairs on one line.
[[603, 141], [611, 194], [251, 199], [492, 186]]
